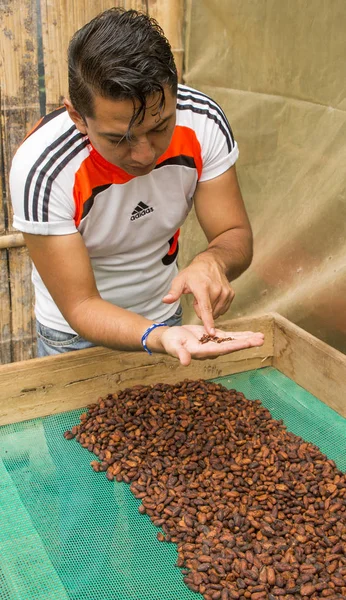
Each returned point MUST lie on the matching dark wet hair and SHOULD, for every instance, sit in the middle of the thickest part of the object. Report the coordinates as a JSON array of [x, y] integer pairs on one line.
[[120, 54]]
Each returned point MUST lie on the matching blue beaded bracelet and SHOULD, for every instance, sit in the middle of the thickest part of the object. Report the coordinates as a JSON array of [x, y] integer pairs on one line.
[[146, 333]]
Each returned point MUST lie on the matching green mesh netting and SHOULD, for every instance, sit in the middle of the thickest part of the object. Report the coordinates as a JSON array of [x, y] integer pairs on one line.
[[69, 533]]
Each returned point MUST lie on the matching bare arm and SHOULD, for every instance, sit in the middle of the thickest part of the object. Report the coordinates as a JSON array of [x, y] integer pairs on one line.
[[64, 266], [222, 216], [221, 212]]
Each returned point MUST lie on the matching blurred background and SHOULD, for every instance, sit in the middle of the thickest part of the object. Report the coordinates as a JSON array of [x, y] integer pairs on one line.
[[277, 67]]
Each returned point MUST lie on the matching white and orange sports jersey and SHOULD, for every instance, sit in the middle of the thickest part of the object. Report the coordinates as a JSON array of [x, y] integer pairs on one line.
[[130, 225]]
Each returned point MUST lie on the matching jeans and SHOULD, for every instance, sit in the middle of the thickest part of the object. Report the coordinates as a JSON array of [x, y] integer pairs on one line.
[[51, 341]]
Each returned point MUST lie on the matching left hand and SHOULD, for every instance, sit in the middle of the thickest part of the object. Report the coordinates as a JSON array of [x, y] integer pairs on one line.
[[206, 280], [184, 342]]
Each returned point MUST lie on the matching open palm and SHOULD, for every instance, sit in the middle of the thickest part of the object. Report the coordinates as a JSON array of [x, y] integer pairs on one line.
[[184, 342]]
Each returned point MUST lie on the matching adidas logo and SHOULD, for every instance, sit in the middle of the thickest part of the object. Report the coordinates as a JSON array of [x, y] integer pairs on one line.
[[141, 210]]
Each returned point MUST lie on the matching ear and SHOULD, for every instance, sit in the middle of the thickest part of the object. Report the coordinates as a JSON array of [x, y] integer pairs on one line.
[[75, 116]]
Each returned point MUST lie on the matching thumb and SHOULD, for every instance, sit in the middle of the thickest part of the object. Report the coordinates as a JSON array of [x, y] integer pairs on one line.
[[175, 292], [184, 356]]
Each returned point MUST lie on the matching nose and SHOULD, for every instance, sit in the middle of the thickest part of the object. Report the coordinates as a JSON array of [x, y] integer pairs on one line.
[[142, 152]]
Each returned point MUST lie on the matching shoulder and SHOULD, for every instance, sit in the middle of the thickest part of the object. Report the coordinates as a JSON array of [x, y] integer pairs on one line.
[[43, 173], [186, 92], [53, 141], [204, 115], [194, 103]]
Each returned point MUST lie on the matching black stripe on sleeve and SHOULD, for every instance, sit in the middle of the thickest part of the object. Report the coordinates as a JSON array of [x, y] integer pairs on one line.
[[45, 169], [55, 173], [213, 105], [40, 159], [182, 160], [197, 96], [206, 112]]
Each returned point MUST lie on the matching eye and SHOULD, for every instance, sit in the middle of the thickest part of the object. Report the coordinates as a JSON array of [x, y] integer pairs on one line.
[[117, 142]]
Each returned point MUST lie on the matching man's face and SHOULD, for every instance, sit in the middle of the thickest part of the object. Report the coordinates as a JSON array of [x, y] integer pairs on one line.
[[148, 141]]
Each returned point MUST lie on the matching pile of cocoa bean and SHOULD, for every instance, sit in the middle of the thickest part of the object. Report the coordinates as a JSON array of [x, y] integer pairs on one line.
[[256, 512], [206, 337]]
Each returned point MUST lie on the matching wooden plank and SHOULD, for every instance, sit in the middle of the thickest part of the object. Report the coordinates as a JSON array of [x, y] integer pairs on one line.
[[5, 311], [311, 363], [22, 302], [3, 217], [55, 384], [23, 333], [5, 301]]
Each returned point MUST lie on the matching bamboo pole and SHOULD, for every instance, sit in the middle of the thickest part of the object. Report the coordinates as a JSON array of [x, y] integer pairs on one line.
[[170, 15], [2, 170], [11, 240], [5, 311], [22, 303]]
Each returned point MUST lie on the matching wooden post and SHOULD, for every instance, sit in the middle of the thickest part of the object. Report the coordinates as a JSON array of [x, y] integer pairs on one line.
[[12, 240], [20, 109], [170, 15]]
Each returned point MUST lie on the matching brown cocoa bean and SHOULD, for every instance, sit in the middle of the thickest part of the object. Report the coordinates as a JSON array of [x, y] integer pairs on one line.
[[307, 589], [256, 512], [271, 578]]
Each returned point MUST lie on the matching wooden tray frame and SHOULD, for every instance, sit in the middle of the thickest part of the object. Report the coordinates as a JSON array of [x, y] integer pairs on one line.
[[45, 386]]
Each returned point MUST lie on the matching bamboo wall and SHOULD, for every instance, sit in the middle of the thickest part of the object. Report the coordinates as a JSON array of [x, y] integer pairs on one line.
[[33, 80]]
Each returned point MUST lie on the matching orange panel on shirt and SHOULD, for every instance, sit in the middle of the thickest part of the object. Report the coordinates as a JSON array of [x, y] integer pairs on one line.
[[174, 243], [184, 142], [92, 174], [95, 171]]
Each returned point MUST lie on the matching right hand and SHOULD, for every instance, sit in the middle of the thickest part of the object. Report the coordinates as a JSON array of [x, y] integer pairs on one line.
[[205, 279], [183, 342]]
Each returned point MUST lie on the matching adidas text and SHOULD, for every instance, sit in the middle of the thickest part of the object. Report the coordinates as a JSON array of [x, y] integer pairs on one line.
[[141, 213]]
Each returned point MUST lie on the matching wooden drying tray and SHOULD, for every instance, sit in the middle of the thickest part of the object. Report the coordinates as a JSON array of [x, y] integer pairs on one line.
[[55, 384]]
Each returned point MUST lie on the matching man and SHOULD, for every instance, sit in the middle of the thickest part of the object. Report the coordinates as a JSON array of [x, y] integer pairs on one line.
[[101, 186]]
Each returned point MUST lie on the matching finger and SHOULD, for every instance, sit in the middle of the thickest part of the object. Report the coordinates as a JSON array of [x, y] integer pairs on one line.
[[223, 302], [221, 299], [248, 342], [184, 356], [254, 340], [214, 349], [204, 312], [238, 334], [243, 342], [174, 340], [217, 312], [177, 289]]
